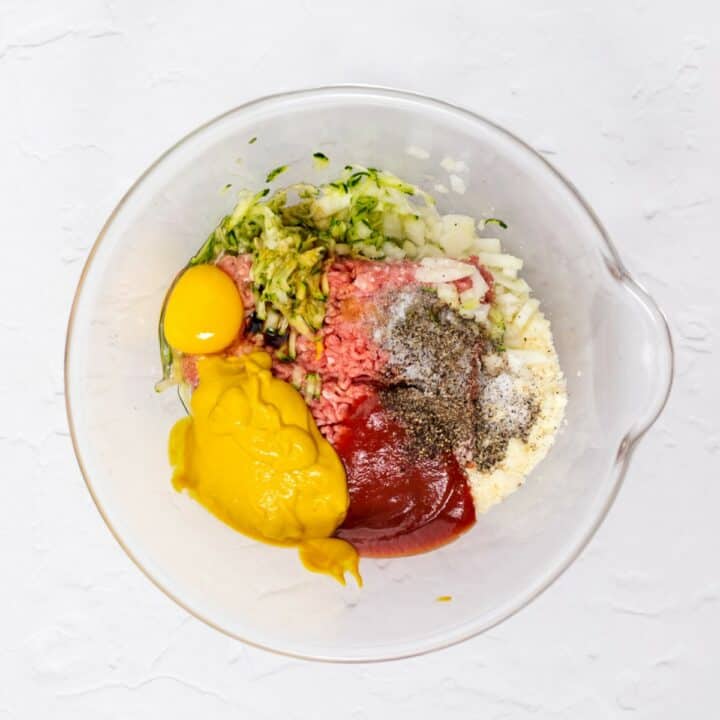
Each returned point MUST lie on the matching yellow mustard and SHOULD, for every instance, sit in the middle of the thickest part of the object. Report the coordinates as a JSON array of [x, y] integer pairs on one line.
[[250, 452]]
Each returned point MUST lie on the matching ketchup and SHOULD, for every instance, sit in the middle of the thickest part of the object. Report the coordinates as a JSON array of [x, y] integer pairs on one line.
[[400, 503]]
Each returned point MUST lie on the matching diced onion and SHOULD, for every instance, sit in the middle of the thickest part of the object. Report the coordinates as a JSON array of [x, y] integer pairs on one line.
[[430, 251], [457, 184], [522, 358], [500, 260], [332, 203], [517, 285], [447, 293], [508, 303], [414, 230], [362, 230], [458, 234], [410, 249], [479, 314], [469, 299], [526, 312], [442, 270], [479, 285], [393, 251], [369, 251], [392, 227]]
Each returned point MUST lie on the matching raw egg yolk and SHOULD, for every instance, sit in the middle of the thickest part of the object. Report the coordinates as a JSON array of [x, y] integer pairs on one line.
[[251, 453], [204, 312]]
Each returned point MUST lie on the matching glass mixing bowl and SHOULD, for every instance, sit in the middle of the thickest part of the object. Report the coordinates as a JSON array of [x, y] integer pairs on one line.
[[613, 343]]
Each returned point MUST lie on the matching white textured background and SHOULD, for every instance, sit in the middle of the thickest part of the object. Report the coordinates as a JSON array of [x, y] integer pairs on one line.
[[625, 100]]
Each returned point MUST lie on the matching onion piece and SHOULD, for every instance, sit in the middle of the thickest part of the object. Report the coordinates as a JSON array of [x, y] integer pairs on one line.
[[500, 260], [443, 270], [447, 293], [525, 314]]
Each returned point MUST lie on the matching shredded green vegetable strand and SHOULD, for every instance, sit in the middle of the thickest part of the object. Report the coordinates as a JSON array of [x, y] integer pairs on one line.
[[274, 173], [320, 160]]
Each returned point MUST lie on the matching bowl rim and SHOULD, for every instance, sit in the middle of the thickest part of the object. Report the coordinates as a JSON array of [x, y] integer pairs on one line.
[[626, 447]]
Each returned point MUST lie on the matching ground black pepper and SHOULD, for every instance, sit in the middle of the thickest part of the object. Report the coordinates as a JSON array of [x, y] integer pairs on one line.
[[437, 387]]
